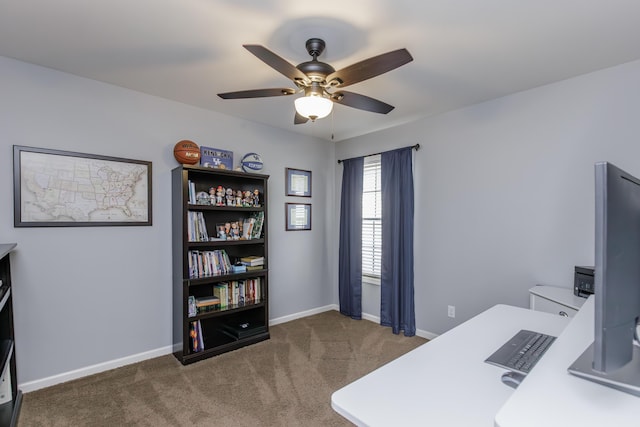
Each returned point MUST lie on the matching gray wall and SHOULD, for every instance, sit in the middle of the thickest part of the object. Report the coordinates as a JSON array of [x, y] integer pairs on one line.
[[504, 200], [504, 190], [86, 296]]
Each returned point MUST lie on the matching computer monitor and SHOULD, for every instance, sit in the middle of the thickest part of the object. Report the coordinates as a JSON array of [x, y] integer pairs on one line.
[[613, 359]]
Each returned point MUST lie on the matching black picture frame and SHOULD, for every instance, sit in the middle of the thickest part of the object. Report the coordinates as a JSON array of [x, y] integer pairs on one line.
[[298, 216], [54, 188], [297, 182]]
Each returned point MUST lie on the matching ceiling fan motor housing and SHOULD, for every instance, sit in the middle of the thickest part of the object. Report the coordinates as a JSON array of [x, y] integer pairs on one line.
[[315, 70], [315, 47]]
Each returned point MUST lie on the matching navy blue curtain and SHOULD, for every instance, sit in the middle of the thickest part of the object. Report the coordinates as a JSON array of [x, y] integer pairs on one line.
[[350, 253], [396, 293]]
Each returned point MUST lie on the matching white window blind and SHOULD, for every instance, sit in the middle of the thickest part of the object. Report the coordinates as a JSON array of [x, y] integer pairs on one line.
[[371, 217]]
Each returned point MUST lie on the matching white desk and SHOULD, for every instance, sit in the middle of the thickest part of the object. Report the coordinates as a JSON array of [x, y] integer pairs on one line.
[[564, 399], [444, 382]]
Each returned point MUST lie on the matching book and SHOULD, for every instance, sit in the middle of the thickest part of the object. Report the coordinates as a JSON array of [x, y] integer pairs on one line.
[[216, 158], [256, 231], [193, 311], [247, 228], [238, 268], [200, 336], [221, 290], [252, 260], [235, 293], [195, 333], [192, 192], [208, 308], [207, 301]]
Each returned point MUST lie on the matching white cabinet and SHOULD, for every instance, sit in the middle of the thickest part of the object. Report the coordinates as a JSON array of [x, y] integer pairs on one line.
[[553, 299]]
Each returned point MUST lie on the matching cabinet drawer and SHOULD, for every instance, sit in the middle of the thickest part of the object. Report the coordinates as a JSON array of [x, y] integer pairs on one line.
[[539, 303]]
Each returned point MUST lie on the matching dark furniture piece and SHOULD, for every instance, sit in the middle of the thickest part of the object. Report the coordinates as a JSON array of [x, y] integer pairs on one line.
[[211, 326], [10, 396]]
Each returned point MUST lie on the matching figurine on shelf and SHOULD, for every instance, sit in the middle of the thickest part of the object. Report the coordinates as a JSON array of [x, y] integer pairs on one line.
[[235, 233], [231, 201], [239, 198], [212, 196], [246, 199], [220, 196], [256, 198], [222, 234]]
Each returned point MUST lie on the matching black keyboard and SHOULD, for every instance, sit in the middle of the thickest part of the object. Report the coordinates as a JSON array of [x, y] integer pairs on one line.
[[522, 352]]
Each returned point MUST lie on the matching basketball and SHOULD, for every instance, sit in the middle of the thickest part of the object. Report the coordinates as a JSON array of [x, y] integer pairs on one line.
[[186, 152], [251, 162]]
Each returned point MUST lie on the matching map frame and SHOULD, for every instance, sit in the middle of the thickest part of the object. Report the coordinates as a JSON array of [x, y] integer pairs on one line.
[[19, 221]]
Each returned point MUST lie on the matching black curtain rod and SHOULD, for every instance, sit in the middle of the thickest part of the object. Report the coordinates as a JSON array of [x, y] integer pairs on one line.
[[415, 147]]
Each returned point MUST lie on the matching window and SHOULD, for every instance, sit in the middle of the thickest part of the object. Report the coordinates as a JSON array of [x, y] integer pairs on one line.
[[371, 218]]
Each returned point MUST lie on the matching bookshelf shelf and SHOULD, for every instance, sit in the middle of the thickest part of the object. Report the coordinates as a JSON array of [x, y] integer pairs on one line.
[[197, 281], [10, 395], [201, 336], [192, 207], [227, 310], [214, 243], [225, 344]]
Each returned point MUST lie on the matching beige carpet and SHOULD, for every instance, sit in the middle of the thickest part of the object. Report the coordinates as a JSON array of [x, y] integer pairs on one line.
[[285, 381]]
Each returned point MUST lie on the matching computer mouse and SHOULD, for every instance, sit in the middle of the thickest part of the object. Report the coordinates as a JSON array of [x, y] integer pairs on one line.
[[512, 379]]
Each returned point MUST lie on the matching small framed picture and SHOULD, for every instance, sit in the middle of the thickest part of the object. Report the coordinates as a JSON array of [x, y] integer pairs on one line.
[[298, 182], [298, 216]]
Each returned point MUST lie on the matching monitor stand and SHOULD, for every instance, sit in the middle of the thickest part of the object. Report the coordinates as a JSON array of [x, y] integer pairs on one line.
[[626, 379]]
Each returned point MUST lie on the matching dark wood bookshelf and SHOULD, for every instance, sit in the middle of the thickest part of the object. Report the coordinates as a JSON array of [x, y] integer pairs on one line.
[[227, 310], [10, 395], [196, 281], [213, 322], [223, 243]]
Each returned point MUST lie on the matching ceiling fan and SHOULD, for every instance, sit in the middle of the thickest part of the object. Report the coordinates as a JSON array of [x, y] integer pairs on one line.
[[317, 80]]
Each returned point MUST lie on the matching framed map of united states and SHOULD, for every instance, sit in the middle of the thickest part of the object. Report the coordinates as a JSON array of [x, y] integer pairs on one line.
[[55, 188]]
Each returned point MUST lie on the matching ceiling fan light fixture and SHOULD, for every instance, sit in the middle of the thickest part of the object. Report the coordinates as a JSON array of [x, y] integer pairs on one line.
[[313, 106]]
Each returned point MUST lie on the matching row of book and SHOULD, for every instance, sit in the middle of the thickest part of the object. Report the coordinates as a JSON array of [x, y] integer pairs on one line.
[[191, 186], [209, 263], [196, 340], [237, 293], [196, 227]]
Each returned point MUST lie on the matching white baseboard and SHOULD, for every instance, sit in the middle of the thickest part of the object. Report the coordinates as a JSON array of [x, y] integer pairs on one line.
[[365, 316], [94, 369], [302, 314], [128, 360], [419, 332]]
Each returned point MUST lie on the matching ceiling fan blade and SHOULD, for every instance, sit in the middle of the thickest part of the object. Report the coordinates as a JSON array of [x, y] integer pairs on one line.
[[361, 102], [299, 119], [369, 68], [277, 63], [257, 93]]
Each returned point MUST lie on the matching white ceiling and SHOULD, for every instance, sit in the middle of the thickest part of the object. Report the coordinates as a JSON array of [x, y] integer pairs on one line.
[[465, 51]]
